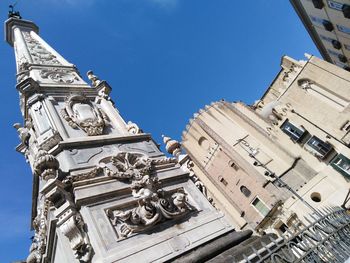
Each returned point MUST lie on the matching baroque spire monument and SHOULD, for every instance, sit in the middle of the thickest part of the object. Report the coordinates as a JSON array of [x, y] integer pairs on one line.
[[102, 189]]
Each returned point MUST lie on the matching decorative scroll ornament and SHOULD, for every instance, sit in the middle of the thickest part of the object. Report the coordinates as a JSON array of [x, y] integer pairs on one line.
[[69, 220], [38, 246], [153, 207], [39, 54], [46, 165], [73, 228], [154, 204], [59, 75], [80, 112], [132, 166], [133, 128]]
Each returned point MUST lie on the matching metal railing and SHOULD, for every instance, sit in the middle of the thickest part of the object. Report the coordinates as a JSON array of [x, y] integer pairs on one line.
[[326, 238]]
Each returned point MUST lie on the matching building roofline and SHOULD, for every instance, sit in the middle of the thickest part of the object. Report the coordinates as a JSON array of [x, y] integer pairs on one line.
[[310, 29]]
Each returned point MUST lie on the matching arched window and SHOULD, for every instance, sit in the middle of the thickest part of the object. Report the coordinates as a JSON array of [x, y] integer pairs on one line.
[[245, 191]]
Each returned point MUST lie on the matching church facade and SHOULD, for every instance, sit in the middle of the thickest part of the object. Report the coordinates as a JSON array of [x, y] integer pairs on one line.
[[273, 163]]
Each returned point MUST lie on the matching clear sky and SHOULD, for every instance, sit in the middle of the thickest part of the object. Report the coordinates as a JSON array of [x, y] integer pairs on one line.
[[165, 59]]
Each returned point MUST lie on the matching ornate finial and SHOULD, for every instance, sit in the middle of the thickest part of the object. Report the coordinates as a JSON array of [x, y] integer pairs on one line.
[[172, 146], [93, 78], [13, 13]]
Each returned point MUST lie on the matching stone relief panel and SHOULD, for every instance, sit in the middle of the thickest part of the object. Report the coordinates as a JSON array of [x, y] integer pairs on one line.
[[22, 68], [79, 112], [153, 207], [59, 75], [38, 52], [87, 157], [40, 118], [148, 147], [84, 156], [163, 223], [153, 204]]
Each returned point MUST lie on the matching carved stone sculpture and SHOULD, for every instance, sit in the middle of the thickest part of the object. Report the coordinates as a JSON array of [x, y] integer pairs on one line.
[[38, 246], [23, 69], [23, 132], [153, 203], [80, 112], [152, 208], [85, 175], [45, 165], [133, 128], [39, 54], [72, 226], [93, 78], [131, 166], [59, 75], [69, 220]]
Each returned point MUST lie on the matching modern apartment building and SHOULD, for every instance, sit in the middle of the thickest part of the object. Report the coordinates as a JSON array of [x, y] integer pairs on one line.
[[328, 23]]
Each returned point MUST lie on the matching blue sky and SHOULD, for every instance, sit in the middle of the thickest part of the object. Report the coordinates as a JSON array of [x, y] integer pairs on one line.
[[165, 59]]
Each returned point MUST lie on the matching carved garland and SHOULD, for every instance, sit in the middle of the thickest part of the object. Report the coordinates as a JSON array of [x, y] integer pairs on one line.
[[80, 112]]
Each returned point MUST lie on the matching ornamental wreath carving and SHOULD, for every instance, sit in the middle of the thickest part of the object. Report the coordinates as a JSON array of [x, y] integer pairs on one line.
[[79, 112], [152, 204]]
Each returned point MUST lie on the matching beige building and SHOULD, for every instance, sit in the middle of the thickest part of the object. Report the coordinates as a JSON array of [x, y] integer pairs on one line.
[[269, 164], [328, 23]]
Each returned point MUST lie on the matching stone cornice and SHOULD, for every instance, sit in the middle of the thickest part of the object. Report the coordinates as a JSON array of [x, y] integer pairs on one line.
[[98, 140], [15, 22]]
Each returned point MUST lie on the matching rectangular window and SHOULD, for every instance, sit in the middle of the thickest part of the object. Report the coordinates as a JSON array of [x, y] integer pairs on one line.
[[260, 206], [292, 131], [333, 53], [340, 64], [343, 29], [341, 164], [328, 39], [346, 126], [319, 147], [317, 20], [335, 5]]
